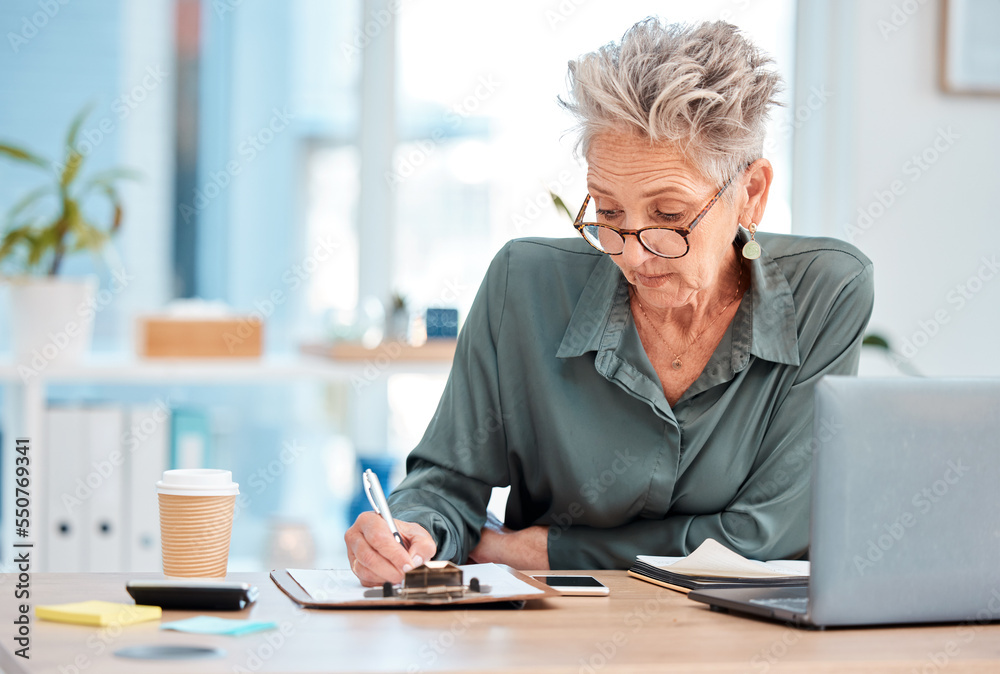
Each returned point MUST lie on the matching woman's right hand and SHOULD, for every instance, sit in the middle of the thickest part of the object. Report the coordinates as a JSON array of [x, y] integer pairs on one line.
[[375, 555]]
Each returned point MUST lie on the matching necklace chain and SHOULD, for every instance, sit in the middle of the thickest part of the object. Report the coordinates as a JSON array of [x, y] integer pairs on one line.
[[677, 363]]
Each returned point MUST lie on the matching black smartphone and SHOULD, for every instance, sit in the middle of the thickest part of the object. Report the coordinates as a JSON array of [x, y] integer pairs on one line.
[[578, 585], [192, 595]]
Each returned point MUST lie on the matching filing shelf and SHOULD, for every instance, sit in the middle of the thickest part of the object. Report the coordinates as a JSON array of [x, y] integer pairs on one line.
[[25, 401]]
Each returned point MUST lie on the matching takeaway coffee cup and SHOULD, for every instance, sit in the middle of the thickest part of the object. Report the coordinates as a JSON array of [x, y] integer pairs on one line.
[[196, 520]]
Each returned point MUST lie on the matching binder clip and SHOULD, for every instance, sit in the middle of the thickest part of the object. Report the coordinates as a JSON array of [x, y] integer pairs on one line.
[[432, 580]]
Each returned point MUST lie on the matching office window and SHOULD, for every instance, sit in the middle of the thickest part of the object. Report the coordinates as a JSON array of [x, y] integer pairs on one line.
[[331, 218], [483, 140]]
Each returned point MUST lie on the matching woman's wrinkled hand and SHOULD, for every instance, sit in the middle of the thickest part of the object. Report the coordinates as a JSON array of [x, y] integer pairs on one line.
[[522, 549], [375, 555]]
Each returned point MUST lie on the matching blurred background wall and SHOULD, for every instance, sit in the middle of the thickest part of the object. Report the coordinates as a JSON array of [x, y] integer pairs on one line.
[[905, 171]]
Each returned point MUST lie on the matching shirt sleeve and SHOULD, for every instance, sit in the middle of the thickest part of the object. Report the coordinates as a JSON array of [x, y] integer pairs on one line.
[[757, 521], [462, 455]]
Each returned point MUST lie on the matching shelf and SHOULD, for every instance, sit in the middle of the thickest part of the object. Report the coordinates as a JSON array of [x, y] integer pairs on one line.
[[131, 370], [434, 350], [25, 399]]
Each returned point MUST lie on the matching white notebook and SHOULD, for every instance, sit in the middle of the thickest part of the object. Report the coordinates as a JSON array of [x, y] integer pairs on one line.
[[714, 560]]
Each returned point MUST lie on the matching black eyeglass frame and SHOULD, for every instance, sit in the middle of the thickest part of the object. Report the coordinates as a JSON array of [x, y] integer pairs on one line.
[[684, 232]]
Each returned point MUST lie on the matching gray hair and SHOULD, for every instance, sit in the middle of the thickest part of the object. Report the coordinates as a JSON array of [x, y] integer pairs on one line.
[[706, 89]]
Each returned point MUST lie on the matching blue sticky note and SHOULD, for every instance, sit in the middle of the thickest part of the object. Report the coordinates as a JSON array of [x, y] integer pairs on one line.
[[205, 624]]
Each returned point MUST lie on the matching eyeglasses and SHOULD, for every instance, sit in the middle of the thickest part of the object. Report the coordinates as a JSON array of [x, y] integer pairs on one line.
[[661, 240]]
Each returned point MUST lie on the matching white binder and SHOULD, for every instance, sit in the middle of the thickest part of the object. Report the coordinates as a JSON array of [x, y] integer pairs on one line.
[[64, 435], [103, 475], [146, 448]]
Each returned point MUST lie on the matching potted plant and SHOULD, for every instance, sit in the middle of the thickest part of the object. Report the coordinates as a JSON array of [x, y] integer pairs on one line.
[[52, 316]]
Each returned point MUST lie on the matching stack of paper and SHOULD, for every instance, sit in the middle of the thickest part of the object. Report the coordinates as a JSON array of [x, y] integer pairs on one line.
[[714, 566]]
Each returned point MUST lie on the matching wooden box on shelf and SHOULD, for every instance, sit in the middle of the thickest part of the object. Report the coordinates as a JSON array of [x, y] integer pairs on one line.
[[229, 337]]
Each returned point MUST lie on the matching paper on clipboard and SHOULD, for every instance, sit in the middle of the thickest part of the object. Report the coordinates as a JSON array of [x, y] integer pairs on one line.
[[332, 588]]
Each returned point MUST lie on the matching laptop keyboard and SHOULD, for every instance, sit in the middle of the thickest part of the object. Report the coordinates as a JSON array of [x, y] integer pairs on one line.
[[795, 604]]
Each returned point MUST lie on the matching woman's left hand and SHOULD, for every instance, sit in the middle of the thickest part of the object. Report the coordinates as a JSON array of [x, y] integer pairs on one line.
[[521, 549]]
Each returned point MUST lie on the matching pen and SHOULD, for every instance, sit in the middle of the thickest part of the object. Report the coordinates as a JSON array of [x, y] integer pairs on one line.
[[373, 490]]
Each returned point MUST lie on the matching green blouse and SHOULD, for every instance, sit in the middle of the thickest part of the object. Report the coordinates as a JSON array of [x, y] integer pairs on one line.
[[551, 392]]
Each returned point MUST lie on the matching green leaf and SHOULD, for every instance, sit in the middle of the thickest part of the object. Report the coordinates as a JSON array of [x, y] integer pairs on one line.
[[12, 238], [31, 241], [73, 163], [23, 155], [36, 249], [560, 205], [28, 199], [89, 237], [115, 174], [116, 204], [72, 216], [73, 159], [107, 179], [74, 129], [54, 236], [876, 341], [49, 236]]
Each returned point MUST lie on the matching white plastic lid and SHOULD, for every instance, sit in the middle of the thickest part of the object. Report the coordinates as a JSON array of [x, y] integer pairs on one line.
[[197, 482]]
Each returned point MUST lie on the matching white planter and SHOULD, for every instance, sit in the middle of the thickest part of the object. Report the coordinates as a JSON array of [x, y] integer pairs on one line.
[[52, 319]]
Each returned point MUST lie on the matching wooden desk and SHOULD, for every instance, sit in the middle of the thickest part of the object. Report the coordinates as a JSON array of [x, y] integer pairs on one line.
[[639, 628]]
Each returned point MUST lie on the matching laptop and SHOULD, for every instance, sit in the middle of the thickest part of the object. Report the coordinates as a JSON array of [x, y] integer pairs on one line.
[[905, 522]]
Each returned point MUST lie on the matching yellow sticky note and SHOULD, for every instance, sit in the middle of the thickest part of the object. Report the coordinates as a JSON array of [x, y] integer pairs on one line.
[[99, 613]]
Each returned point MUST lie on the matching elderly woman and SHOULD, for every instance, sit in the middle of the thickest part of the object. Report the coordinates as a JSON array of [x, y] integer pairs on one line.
[[649, 384]]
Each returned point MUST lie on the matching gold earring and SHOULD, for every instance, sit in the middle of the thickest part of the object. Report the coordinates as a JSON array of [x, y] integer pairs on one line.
[[751, 250]]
